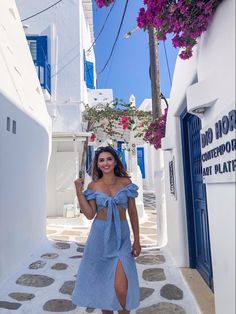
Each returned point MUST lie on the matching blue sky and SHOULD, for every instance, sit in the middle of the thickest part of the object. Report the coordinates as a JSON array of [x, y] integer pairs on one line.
[[128, 71]]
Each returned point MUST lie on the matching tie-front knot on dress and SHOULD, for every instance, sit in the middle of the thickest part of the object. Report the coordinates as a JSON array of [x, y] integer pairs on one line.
[[107, 244]]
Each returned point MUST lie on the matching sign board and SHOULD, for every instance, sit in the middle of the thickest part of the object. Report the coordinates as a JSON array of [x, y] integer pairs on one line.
[[218, 149], [172, 178]]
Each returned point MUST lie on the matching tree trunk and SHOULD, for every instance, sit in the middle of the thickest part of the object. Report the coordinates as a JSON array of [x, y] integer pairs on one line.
[[84, 154]]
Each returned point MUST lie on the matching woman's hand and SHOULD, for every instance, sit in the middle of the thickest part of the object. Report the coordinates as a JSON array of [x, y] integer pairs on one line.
[[136, 249], [79, 185]]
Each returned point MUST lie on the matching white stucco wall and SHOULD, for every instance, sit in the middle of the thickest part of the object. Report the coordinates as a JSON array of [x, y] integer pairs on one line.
[[68, 35], [24, 155], [68, 27], [212, 69]]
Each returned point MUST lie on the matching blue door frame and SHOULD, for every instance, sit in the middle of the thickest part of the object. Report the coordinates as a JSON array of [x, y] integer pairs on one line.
[[196, 201]]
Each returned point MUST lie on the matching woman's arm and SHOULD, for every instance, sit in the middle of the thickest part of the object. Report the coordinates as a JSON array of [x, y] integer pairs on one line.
[[133, 214], [88, 207]]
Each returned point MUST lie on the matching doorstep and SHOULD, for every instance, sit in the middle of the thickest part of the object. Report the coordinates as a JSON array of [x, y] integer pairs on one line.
[[200, 290]]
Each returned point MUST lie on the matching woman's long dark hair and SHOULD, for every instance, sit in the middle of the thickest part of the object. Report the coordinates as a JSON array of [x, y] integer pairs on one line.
[[119, 169]]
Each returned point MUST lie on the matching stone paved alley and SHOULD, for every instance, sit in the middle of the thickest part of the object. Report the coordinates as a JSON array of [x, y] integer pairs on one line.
[[45, 282]]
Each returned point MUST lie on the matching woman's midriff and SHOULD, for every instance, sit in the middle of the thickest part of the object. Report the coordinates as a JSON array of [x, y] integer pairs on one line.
[[102, 214]]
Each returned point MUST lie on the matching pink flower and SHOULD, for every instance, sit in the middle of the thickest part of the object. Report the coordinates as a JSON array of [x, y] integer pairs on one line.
[[93, 137]]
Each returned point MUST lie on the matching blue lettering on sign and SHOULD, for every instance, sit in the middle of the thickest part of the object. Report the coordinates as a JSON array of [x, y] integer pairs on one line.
[[227, 166], [226, 124], [207, 137]]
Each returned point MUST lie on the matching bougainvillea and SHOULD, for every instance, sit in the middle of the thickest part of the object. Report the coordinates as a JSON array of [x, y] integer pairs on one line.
[[118, 118], [185, 19], [156, 131]]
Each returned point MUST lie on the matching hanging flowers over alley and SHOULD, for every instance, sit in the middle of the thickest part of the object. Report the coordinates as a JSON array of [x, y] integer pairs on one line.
[[123, 121], [185, 19]]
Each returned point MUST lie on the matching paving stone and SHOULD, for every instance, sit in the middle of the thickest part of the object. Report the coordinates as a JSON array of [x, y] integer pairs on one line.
[[51, 231], [67, 287], [145, 293], [38, 264], [70, 232], [171, 292], [58, 237], [20, 296], [61, 245], [59, 266], [162, 308], [59, 305], [76, 256], [9, 305], [154, 274], [89, 310], [150, 259], [80, 244], [80, 249], [34, 280], [49, 255], [148, 231]]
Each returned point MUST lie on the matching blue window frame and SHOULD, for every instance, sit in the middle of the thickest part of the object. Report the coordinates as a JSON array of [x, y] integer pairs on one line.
[[89, 73], [140, 160], [39, 50]]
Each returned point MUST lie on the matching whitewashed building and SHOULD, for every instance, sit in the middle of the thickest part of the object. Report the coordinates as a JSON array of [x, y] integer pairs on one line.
[[60, 37], [25, 131], [199, 153]]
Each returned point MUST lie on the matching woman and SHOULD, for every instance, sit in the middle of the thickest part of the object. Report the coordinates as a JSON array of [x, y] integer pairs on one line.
[[107, 277]]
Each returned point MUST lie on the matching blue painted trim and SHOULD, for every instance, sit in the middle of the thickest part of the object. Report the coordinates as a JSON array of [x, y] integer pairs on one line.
[[88, 72], [41, 62], [188, 189], [140, 160]]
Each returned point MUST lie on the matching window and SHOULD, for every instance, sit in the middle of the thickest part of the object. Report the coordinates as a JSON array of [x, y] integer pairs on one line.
[[89, 73], [39, 51]]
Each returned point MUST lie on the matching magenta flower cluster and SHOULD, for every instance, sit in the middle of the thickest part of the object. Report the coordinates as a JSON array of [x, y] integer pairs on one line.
[[185, 19], [103, 3], [156, 131]]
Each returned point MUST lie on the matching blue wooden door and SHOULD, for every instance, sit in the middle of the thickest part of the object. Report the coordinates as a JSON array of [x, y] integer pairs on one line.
[[140, 160], [200, 251]]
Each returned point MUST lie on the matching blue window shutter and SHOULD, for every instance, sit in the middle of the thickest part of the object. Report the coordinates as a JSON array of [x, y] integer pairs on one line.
[[39, 50], [89, 74]]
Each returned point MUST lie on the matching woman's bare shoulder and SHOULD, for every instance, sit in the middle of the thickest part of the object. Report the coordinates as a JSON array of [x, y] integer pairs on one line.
[[125, 181], [92, 185]]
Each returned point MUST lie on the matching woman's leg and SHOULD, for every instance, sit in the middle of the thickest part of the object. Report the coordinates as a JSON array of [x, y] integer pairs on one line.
[[121, 286]]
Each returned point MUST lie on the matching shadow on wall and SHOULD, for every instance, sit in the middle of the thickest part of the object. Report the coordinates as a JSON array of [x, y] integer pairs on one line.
[[24, 155]]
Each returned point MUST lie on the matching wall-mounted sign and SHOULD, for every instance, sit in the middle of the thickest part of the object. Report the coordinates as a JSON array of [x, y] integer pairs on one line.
[[172, 178], [218, 146]]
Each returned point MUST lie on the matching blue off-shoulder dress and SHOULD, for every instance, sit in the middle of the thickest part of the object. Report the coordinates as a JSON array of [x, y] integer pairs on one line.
[[108, 243]]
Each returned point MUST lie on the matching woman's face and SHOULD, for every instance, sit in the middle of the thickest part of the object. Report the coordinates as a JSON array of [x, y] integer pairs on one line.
[[106, 162]]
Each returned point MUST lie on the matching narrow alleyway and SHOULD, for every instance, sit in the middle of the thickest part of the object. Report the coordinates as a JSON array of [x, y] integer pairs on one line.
[[45, 283]]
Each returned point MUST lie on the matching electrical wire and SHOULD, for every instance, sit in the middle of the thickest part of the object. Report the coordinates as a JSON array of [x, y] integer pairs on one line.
[[103, 26], [167, 63], [41, 11], [116, 39]]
